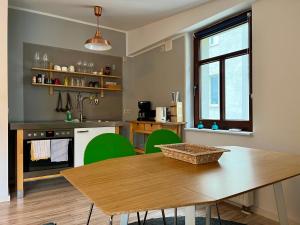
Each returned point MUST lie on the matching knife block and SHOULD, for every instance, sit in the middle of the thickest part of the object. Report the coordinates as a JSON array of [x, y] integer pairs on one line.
[[176, 112]]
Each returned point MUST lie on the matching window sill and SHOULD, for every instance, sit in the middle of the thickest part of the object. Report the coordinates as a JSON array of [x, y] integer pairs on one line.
[[239, 133]]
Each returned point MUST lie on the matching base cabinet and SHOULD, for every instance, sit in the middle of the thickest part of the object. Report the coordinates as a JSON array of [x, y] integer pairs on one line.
[[82, 136]]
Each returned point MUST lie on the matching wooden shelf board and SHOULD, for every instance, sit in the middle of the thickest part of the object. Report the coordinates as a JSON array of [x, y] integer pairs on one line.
[[143, 131], [76, 73], [42, 177], [76, 87]]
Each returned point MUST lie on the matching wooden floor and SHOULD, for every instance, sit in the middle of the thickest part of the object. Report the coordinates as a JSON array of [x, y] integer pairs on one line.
[[57, 201]]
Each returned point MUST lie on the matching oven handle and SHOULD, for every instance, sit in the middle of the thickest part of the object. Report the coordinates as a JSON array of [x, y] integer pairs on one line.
[[29, 142], [82, 131]]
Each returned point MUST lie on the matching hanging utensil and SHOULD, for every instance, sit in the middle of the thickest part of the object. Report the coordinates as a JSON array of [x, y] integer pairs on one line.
[[69, 103], [96, 100], [59, 103]]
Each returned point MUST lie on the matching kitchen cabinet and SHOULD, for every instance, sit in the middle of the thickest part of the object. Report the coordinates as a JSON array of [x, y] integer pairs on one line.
[[82, 136]]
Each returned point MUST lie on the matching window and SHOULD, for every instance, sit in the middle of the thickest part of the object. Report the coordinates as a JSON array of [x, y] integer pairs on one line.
[[222, 74]]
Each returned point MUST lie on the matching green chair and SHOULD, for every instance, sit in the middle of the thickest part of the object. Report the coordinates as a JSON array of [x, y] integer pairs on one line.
[[160, 137], [106, 146]]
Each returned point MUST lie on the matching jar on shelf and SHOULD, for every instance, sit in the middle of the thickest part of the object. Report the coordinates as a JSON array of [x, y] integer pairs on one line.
[[66, 81]]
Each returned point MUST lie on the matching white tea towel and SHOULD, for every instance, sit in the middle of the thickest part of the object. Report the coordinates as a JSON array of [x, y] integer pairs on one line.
[[59, 150], [40, 150]]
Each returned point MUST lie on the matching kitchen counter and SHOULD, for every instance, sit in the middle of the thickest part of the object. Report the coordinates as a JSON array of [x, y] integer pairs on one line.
[[63, 125]]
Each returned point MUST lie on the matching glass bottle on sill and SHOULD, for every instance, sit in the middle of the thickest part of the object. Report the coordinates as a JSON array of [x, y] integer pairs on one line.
[[200, 125], [215, 126]]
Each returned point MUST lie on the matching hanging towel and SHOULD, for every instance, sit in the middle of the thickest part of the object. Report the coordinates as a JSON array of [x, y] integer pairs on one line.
[[40, 150], [59, 150]]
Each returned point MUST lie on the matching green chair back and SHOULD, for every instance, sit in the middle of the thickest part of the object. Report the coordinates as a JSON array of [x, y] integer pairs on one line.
[[160, 137], [107, 146]]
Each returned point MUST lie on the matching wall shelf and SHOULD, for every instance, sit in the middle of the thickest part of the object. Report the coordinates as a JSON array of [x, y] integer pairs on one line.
[[101, 78], [76, 87], [76, 73]]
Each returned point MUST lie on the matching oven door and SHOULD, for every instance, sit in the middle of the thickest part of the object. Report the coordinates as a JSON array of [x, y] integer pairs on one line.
[[46, 164]]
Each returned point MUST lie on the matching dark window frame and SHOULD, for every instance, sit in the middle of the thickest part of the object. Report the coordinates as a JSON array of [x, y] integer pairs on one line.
[[232, 22]]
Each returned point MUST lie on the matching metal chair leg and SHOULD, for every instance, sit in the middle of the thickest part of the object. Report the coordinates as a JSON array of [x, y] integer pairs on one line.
[[145, 218], [175, 216], [219, 217], [138, 217], [90, 214], [110, 220], [164, 217]]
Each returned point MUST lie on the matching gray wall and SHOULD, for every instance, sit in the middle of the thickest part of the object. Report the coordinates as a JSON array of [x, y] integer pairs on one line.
[[24, 27], [152, 76], [40, 106]]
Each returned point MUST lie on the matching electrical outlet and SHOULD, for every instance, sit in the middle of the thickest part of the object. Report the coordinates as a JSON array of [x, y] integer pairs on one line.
[[127, 111]]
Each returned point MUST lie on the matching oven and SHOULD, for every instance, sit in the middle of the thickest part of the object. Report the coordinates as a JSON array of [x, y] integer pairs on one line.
[[30, 165]]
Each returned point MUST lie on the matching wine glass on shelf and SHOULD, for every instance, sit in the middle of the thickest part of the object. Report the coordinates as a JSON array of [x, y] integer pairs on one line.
[[91, 67], [85, 65], [36, 60], [45, 61], [79, 66]]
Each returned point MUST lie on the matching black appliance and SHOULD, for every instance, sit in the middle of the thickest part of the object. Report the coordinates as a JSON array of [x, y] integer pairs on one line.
[[40, 165], [145, 112]]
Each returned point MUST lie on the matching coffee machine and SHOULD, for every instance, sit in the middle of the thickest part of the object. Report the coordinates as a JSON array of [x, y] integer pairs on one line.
[[145, 112]]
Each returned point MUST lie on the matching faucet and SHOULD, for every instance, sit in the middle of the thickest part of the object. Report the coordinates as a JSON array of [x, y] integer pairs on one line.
[[80, 104]]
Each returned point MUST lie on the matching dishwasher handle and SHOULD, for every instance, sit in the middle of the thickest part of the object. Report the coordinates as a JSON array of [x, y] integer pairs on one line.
[[82, 131]]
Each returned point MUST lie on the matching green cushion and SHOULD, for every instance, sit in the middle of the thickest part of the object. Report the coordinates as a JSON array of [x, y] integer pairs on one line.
[[160, 137], [107, 146]]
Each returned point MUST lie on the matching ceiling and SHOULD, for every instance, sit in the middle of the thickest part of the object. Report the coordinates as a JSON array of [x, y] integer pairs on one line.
[[118, 14]]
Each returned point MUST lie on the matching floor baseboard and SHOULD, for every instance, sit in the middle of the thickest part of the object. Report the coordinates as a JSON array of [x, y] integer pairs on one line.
[[5, 198]]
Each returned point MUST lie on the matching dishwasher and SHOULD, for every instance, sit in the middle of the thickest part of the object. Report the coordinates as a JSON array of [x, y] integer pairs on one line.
[[82, 136]]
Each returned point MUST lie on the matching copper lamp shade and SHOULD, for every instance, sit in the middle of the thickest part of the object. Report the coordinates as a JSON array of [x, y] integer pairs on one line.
[[98, 43]]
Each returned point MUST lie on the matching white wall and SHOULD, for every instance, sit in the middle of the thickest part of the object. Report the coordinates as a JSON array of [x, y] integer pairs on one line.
[[276, 103], [152, 33], [3, 104]]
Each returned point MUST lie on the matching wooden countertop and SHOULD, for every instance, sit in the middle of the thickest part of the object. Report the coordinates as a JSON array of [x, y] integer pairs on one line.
[[152, 181], [62, 125]]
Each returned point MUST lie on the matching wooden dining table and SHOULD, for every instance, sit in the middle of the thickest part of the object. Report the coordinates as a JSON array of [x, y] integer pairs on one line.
[[149, 182]]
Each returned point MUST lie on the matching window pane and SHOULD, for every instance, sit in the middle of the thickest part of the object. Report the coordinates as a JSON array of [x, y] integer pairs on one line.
[[210, 91], [231, 40], [237, 88]]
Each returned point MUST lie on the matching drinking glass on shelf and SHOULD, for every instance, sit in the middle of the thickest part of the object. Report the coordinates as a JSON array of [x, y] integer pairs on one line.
[[82, 82], [45, 61], [72, 82], [78, 82], [79, 66], [36, 60]]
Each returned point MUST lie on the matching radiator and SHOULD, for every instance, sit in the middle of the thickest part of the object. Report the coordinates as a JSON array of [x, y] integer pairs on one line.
[[243, 200]]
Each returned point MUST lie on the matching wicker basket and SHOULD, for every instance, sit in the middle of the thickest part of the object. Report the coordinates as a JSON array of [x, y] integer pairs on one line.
[[195, 154]]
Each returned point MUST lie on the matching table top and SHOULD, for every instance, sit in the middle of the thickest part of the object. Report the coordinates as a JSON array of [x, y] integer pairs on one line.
[[147, 182]]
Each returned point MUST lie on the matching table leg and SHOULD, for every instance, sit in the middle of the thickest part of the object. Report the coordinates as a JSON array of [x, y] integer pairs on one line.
[[280, 203], [208, 215], [124, 219], [190, 215], [175, 216], [110, 220], [131, 134], [20, 185]]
